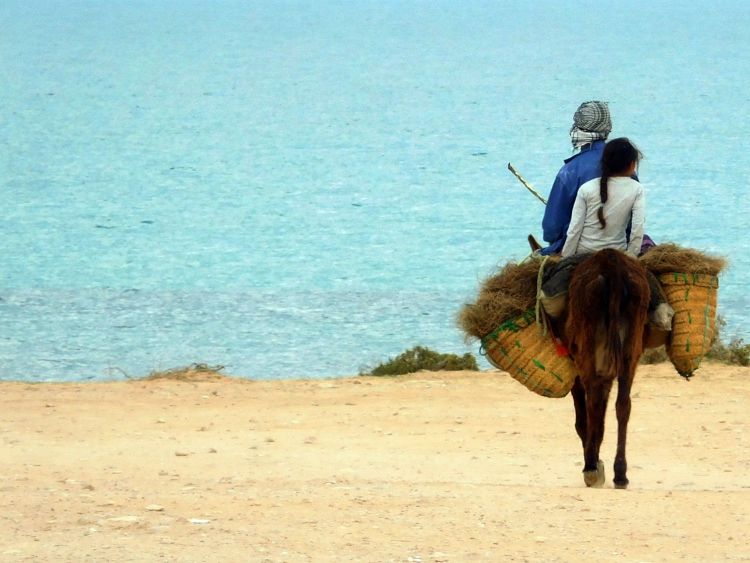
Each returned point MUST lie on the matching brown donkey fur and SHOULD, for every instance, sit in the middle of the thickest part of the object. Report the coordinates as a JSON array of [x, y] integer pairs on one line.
[[607, 313]]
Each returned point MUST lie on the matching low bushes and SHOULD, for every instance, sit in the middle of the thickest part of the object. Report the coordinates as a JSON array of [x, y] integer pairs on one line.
[[420, 358]]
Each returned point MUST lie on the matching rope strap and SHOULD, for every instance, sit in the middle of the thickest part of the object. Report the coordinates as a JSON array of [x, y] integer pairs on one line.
[[540, 317]]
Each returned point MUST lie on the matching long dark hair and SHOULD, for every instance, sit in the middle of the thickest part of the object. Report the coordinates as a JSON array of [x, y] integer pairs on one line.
[[618, 156]]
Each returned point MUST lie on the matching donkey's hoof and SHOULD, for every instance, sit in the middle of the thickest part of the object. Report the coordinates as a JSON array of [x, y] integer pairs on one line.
[[590, 478], [594, 478], [621, 484]]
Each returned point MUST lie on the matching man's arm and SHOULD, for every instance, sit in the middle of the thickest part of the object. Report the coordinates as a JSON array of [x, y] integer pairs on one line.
[[559, 207]]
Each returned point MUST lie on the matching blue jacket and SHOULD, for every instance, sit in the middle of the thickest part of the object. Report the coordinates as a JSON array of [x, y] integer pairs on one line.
[[577, 170]]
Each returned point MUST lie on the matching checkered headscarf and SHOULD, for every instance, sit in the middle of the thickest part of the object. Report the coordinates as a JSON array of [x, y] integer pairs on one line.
[[591, 122]]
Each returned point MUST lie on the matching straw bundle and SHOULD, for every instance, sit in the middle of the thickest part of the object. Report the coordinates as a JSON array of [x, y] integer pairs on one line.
[[667, 258], [502, 296], [531, 358], [693, 298]]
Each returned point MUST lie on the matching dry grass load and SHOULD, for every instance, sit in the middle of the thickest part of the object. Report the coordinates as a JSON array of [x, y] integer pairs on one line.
[[502, 296], [512, 290], [669, 257]]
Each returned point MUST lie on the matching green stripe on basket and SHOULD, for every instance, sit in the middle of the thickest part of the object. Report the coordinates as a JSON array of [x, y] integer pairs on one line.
[[510, 325], [522, 371], [539, 364], [513, 325], [691, 279], [560, 379]]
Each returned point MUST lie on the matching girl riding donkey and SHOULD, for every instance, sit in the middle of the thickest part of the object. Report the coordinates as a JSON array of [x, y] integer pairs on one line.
[[609, 212]]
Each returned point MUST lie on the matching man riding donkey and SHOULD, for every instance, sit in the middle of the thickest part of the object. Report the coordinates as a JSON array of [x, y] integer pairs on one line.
[[596, 202]]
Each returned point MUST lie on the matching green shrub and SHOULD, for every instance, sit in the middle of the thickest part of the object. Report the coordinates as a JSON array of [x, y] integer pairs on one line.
[[186, 373], [420, 358], [735, 353], [654, 355]]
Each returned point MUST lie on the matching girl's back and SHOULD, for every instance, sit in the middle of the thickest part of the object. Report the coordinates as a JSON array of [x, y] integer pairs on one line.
[[606, 205], [626, 200]]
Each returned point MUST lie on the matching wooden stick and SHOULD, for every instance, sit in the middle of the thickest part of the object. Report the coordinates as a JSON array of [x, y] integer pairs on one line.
[[526, 184]]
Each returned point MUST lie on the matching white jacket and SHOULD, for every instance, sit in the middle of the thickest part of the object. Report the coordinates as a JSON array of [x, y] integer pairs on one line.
[[625, 201]]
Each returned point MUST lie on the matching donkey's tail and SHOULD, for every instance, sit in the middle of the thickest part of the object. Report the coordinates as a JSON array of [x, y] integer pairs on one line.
[[616, 319], [607, 311]]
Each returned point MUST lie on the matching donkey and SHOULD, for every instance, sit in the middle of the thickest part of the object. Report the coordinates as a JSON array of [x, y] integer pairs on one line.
[[607, 313]]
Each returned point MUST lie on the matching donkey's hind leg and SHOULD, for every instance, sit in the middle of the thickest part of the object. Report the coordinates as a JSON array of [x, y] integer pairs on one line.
[[597, 395], [596, 477], [624, 383], [579, 401]]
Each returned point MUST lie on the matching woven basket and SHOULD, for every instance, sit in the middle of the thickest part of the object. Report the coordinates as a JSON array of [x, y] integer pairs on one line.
[[693, 298], [518, 347]]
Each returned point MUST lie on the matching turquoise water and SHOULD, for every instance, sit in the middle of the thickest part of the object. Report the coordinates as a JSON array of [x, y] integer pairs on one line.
[[307, 188]]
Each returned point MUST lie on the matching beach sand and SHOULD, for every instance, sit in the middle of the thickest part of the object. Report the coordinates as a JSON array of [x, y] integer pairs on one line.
[[427, 467]]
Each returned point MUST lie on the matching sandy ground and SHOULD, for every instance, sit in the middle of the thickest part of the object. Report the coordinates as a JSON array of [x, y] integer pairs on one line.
[[428, 467]]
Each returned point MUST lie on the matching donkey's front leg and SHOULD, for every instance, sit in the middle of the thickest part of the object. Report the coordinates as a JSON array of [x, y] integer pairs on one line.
[[597, 394], [624, 383]]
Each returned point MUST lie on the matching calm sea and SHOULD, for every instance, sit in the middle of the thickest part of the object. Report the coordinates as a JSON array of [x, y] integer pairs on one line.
[[306, 188]]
